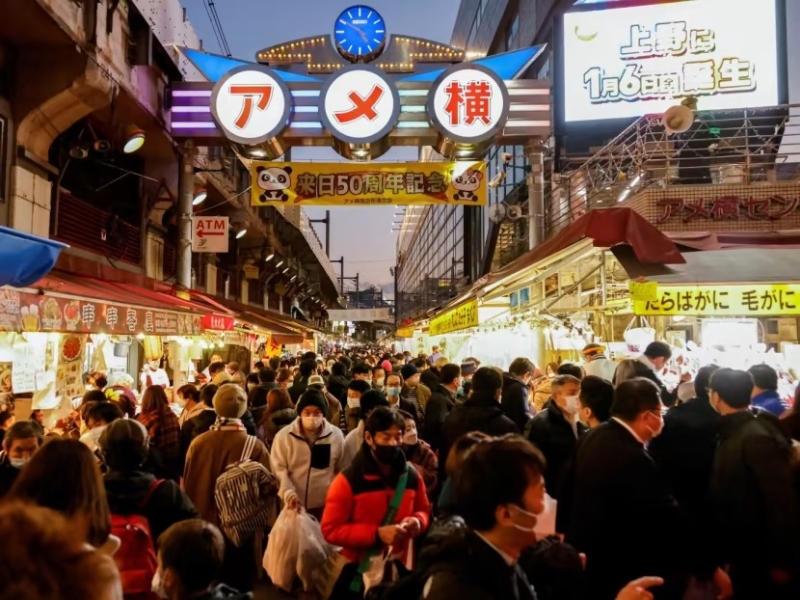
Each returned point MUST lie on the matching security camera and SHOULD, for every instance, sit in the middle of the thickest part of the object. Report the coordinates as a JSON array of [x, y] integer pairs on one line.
[[507, 156]]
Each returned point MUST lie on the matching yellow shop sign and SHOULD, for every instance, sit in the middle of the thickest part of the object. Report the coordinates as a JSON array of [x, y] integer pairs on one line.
[[764, 300], [463, 316]]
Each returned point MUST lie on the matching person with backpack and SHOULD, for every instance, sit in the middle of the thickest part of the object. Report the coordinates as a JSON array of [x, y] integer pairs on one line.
[[221, 452], [142, 507]]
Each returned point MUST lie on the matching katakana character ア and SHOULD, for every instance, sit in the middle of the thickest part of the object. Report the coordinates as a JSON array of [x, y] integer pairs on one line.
[[671, 206], [395, 182], [757, 208], [326, 185], [736, 75], [455, 93], [750, 300], [415, 183], [699, 76], [671, 38], [250, 93], [696, 208], [307, 185], [789, 204], [639, 43], [702, 41], [478, 102], [725, 207], [436, 184], [373, 183]]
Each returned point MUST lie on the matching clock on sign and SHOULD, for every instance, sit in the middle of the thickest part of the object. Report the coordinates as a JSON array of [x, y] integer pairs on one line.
[[359, 34]]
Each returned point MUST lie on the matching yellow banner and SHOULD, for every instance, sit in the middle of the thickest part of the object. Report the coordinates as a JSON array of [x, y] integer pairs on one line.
[[368, 184], [405, 332], [460, 317], [723, 301], [643, 290]]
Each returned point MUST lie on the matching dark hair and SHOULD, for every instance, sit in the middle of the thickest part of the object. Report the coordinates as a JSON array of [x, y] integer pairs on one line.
[[764, 377], [379, 367], [795, 408], [488, 380], [259, 365], [420, 363], [283, 375], [215, 368], [564, 379], [361, 368], [384, 418], [101, 381], [702, 380], [359, 385], [22, 430], [635, 396], [108, 412], [370, 400], [252, 378], [658, 350], [394, 374], [5, 416], [348, 364], [267, 375], [155, 400], [93, 396], [64, 475], [124, 445], [189, 392], [461, 447], [733, 386], [467, 386], [598, 395], [495, 473], [449, 373], [195, 551], [207, 394], [275, 363], [282, 400], [521, 366], [257, 397], [338, 369], [307, 368], [571, 369], [309, 356]]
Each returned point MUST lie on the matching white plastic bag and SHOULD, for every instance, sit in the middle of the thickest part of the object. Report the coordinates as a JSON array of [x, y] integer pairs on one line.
[[638, 338], [375, 573], [280, 559], [312, 551]]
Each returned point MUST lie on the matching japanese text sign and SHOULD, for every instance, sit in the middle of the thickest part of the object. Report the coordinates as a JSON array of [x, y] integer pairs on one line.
[[643, 290], [723, 301], [210, 234], [627, 62], [468, 103], [251, 104], [728, 208], [217, 322], [368, 184], [463, 316]]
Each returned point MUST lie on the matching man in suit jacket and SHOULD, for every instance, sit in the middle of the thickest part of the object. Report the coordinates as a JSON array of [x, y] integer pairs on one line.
[[623, 517], [648, 364]]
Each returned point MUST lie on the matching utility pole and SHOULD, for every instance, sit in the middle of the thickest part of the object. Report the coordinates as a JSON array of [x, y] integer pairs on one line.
[[341, 275], [183, 274], [327, 221], [536, 149]]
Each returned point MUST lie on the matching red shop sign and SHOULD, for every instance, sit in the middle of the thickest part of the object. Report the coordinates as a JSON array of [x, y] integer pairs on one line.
[[217, 322]]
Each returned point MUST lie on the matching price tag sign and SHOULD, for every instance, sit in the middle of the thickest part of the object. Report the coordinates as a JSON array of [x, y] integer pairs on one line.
[[643, 291]]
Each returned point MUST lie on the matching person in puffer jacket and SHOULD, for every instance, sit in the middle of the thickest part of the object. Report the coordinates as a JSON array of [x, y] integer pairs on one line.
[[190, 556], [307, 455]]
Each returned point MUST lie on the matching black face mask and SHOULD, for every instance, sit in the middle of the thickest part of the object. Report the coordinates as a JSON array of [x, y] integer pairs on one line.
[[388, 455]]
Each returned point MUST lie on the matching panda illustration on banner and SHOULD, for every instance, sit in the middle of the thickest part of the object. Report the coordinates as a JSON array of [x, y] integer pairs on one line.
[[274, 181], [466, 184]]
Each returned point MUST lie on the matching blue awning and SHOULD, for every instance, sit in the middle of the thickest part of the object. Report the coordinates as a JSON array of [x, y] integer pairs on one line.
[[25, 258]]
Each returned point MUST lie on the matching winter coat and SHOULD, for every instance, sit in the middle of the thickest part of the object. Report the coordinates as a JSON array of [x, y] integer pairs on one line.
[[335, 416], [439, 406], [337, 385], [554, 435], [543, 390], [421, 456], [303, 469], [358, 501], [641, 369], [516, 402], [298, 388], [352, 444], [275, 422], [600, 366], [168, 503], [430, 378], [422, 393], [197, 425], [770, 401]]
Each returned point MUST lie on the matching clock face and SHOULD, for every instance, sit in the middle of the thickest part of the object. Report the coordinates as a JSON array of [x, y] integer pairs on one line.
[[360, 33]]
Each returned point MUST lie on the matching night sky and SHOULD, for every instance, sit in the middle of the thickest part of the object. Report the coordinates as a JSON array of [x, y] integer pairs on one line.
[[362, 235]]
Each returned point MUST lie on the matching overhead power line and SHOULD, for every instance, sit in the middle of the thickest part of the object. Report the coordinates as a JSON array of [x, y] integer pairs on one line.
[[216, 27]]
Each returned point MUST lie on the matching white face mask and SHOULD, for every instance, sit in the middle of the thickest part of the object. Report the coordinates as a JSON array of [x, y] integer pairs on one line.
[[311, 424], [573, 404], [18, 463], [657, 432], [527, 514], [353, 402], [156, 586]]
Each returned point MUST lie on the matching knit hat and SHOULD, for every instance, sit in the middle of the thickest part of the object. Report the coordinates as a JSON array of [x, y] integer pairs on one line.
[[316, 380], [230, 401], [408, 371], [468, 368], [370, 401], [123, 444], [312, 397], [386, 366]]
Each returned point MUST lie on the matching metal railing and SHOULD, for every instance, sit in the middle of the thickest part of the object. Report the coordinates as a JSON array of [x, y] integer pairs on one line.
[[722, 147]]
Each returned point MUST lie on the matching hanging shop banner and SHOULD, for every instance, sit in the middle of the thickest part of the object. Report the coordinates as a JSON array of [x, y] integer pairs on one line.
[[21, 311], [360, 314], [723, 301], [460, 317], [349, 184], [217, 322], [405, 332]]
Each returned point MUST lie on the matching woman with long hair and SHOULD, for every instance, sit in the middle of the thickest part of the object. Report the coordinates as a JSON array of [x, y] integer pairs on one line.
[[280, 413], [163, 428]]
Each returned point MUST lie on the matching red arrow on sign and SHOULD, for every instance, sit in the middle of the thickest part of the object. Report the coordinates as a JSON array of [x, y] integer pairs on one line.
[[202, 233]]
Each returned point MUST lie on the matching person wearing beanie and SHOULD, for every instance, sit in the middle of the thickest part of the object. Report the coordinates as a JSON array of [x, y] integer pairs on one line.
[[414, 391], [369, 401], [307, 454], [130, 489]]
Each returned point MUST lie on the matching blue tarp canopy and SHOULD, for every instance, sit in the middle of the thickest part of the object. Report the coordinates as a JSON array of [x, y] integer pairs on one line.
[[25, 258]]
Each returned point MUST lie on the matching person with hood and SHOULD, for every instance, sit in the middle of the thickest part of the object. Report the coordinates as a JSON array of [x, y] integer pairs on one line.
[[130, 490], [597, 363], [765, 391], [335, 415], [413, 388], [337, 382], [480, 412], [441, 402], [419, 454], [307, 455], [280, 413], [355, 389], [369, 401], [516, 402], [191, 555]]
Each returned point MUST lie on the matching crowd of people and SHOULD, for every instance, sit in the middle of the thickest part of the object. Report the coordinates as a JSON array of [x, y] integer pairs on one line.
[[591, 481]]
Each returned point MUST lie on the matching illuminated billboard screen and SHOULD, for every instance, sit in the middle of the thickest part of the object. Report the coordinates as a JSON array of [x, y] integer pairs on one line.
[[627, 62]]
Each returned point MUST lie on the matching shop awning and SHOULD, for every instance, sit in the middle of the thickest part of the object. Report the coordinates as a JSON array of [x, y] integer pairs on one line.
[[25, 258], [267, 319]]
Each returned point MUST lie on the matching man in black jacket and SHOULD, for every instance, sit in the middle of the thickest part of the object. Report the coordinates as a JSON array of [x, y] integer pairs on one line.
[[516, 397], [753, 502], [653, 360], [307, 369], [441, 402]]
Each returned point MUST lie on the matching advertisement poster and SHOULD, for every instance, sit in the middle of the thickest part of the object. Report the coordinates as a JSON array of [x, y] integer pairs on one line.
[[456, 319], [368, 184], [628, 62]]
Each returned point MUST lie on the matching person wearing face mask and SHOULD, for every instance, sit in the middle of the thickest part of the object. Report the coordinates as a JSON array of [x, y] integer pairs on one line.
[[419, 454], [359, 514], [622, 516], [188, 398], [556, 429], [355, 389], [394, 387], [378, 378], [515, 400], [307, 454], [369, 401], [20, 443]]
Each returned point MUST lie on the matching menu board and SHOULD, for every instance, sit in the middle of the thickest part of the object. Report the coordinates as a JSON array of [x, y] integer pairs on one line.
[[21, 311]]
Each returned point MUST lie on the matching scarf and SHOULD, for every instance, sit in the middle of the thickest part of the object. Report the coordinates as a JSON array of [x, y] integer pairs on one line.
[[228, 424]]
